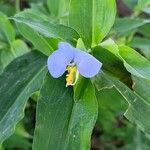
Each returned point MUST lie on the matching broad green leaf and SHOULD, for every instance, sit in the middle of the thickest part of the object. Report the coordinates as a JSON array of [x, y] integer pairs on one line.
[[19, 80], [18, 48], [63, 121], [36, 39], [46, 28], [135, 63], [123, 25], [139, 108], [92, 19], [7, 32]]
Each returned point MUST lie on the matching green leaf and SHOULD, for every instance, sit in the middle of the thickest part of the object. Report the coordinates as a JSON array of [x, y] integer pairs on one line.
[[113, 65], [139, 108], [123, 25], [135, 63], [18, 48], [19, 80], [58, 8], [143, 44], [46, 28], [141, 86], [142, 4], [144, 30], [147, 10], [19, 139], [36, 39], [69, 127], [111, 106], [7, 8], [92, 19], [7, 32]]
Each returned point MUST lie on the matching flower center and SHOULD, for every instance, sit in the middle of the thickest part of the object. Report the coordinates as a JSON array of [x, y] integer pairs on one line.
[[72, 75]]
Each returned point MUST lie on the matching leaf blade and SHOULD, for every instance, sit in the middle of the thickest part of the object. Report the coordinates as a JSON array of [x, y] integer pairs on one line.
[[72, 125], [91, 22], [16, 86]]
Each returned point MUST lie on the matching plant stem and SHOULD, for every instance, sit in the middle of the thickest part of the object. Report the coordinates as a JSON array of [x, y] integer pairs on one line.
[[17, 5]]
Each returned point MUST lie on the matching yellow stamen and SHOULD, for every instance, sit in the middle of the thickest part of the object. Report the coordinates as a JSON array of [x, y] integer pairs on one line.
[[72, 75]]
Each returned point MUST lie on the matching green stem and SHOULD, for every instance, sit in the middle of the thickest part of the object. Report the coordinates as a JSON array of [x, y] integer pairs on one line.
[[17, 5]]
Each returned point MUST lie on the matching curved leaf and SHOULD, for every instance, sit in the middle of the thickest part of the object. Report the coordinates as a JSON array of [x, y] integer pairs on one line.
[[19, 80], [135, 63], [46, 28], [37, 40]]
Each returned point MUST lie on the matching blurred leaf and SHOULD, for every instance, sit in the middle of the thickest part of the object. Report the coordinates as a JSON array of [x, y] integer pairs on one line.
[[140, 42], [58, 8], [111, 106], [18, 48], [130, 3], [69, 127], [123, 25], [142, 4], [7, 8], [7, 32], [143, 44], [92, 19], [18, 139], [145, 30], [46, 28], [147, 10], [40, 8], [19, 80]]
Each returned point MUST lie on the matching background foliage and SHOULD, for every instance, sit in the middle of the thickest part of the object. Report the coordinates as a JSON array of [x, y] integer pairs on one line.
[[114, 106]]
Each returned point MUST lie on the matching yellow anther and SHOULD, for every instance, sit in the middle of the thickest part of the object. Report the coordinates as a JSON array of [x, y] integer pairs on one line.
[[71, 75]]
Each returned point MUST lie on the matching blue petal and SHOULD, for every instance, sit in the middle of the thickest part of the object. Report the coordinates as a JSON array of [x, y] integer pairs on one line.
[[67, 50], [59, 59], [87, 65]]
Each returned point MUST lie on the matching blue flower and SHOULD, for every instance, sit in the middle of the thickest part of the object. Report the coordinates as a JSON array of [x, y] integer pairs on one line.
[[74, 61]]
